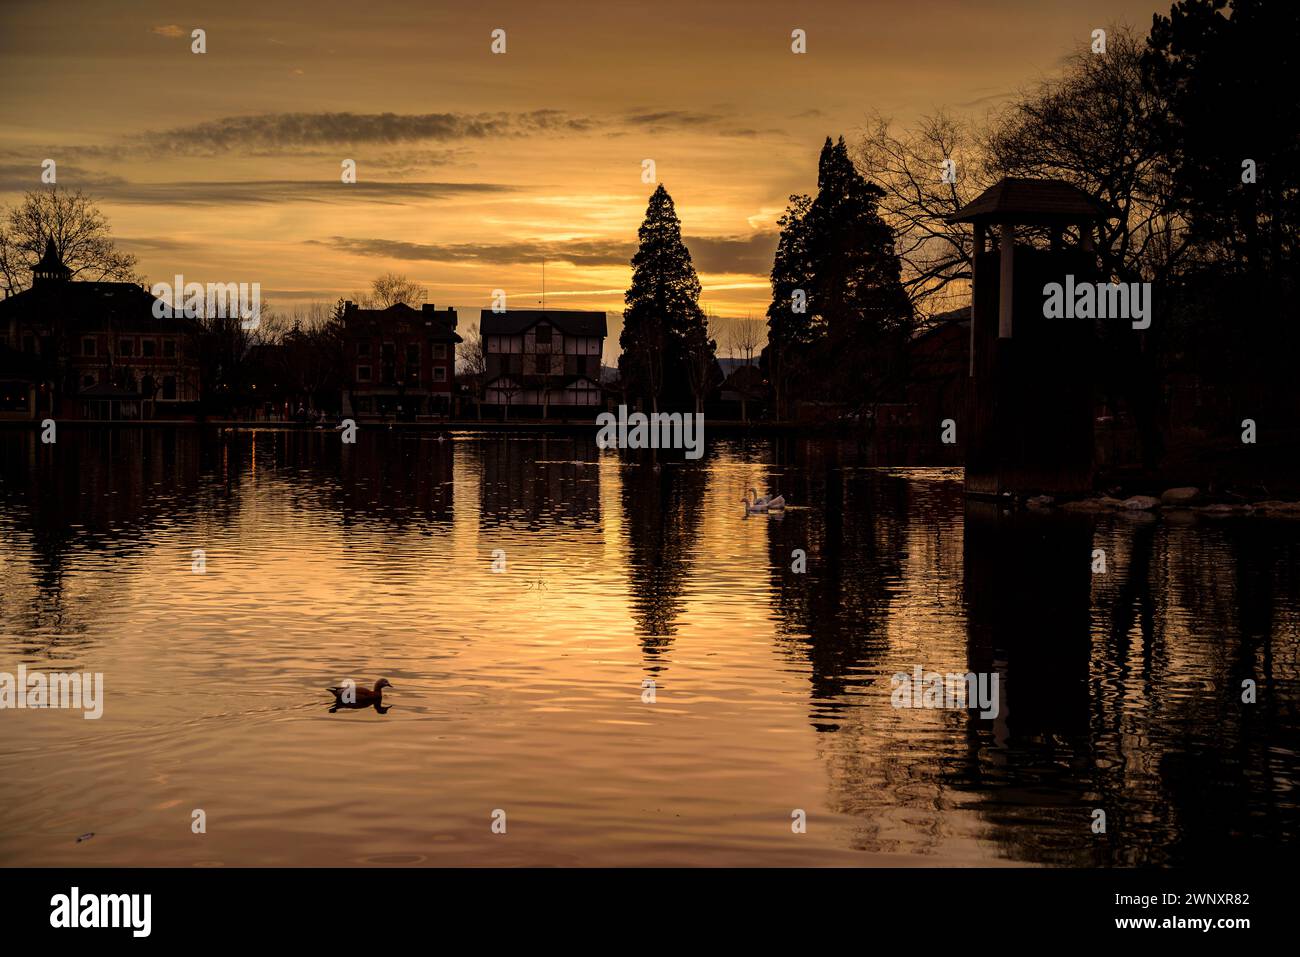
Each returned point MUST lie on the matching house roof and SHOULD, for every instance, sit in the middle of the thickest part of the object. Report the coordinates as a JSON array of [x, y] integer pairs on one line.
[[571, 322], [90, 306], [441, 323], [1030, 201], [942, 322]]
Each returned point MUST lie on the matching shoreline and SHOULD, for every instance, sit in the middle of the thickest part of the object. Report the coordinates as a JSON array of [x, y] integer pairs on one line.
[[1227, 482]]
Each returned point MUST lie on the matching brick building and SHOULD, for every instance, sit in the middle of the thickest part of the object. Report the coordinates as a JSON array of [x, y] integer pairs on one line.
[[401, 361], [93, 350]]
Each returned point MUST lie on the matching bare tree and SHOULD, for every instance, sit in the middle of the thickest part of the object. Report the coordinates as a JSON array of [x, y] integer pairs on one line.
[[701, 359], [80, 233], [928, 172], [389, 290], [1092, 127], [509, 388], [744, 337], [473, 364]]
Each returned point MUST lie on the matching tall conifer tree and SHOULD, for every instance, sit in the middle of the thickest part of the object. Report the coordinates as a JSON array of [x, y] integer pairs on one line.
[[662, 318]]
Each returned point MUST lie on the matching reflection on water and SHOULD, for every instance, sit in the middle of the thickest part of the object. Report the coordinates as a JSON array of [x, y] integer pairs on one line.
[[522, 689]]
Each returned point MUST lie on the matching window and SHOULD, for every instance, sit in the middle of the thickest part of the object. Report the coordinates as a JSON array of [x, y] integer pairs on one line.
[[87, 381], [543, 335], [493, 343], [126, 347], [413, 354], [87, 347], [439, 373], [169, 348], [169, 388], [13, 396], [440, 350], [363, 350], [363, 373], [148, 348]]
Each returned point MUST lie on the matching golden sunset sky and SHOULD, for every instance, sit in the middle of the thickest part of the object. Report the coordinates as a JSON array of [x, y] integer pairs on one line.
[[472, 166]]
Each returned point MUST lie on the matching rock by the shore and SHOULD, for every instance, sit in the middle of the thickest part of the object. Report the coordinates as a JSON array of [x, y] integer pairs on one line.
[[1103, 504], [1141, 503], [1180, 497], [1275, 509], [1225, 511], [1187, 502]]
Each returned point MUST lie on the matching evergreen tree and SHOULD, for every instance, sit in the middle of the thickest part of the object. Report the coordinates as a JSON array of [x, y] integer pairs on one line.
[[790, 330], [858, 291], [851, 338], [662, 320], [1220, 74]]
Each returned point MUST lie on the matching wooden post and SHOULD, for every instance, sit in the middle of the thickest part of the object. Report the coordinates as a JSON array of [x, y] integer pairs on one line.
[[1006, 286]]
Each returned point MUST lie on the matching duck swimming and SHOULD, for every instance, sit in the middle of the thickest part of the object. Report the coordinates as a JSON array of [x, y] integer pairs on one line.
[[364, 697]]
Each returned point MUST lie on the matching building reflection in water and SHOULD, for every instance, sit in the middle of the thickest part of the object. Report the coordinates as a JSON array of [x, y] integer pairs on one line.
[[1121, 691]]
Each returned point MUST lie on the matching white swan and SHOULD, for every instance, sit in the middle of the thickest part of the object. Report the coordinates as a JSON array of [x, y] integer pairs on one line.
[[755, 505]]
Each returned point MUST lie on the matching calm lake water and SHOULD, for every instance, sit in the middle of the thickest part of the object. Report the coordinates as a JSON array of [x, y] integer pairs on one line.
[[523, 690]]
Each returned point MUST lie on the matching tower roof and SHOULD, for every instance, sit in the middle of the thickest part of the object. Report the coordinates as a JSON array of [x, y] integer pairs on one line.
[[1030, 201], [51, 265]]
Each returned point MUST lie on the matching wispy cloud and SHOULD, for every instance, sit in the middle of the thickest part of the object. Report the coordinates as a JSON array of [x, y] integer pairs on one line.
[[289, 131], [712, 254], [278, 134], [22, 176], [168, 30], [579, 252], [193, 193]]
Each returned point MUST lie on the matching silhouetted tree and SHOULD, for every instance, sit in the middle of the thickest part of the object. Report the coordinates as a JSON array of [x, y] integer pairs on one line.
[[789, 323], [390, 289], [80, 233], [850, 339], [662, 317], [473, 364], [1221, 80], [908, 164], [857, 291]]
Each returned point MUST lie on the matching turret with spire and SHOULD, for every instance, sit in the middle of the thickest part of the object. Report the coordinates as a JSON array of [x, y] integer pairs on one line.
[[51, 267]]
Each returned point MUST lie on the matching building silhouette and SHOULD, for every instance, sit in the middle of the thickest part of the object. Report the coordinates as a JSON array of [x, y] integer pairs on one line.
[[400, 361], [94, 350]]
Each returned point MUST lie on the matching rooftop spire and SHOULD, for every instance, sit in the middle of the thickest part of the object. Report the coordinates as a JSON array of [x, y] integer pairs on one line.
[[51, 266]]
